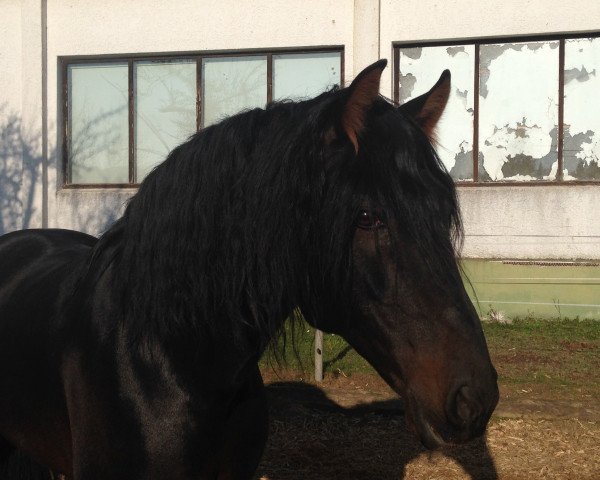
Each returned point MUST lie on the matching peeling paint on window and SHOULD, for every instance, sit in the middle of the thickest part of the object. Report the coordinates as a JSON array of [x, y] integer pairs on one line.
[[581, 75], [492, 52], [407, 85], [518, 111], [452, 51], [581, 140], [414, 53], [419, 69]]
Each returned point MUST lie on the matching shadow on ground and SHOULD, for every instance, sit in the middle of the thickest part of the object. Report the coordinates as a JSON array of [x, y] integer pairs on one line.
[[313, 437]]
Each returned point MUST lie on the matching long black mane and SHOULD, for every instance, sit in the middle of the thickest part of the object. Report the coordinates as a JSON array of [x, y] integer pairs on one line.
[[251, 218]]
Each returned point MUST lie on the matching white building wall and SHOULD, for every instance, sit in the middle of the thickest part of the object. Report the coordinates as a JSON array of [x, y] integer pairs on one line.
[[500, 221], [543, 222], [11, 152], [34, 179]]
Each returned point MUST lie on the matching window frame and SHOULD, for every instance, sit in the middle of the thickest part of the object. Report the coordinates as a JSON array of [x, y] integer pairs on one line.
[[130, 59], [477, 42]]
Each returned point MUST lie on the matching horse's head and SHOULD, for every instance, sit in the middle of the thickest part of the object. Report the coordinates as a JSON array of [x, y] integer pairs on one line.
[[396, 294]]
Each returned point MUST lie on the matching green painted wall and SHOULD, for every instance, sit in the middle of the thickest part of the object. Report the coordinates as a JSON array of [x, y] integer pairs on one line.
[[545, 289]]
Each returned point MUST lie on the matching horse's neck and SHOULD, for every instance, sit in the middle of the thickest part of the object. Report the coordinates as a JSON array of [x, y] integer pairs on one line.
[[197, 333]]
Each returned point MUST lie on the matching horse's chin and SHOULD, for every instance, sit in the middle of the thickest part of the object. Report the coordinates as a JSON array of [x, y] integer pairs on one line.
[[427, 433], [434, 436], [415, 417]]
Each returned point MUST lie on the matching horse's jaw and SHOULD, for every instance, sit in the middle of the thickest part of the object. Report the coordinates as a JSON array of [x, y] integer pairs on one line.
[[430, 407]]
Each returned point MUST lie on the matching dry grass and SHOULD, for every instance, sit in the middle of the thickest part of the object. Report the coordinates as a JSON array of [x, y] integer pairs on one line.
[[308, 443]]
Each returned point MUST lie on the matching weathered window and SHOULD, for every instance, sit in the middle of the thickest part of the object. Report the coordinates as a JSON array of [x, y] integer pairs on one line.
[[420, 68], [520, 111], [123, 116], [581, 134]]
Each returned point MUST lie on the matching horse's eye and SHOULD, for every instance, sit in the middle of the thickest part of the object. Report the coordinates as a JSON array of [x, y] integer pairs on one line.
[[369, 220]]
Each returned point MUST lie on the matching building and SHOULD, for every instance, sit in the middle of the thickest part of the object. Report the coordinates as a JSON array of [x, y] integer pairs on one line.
[[525, 99]]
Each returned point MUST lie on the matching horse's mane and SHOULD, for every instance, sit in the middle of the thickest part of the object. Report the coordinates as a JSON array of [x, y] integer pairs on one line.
[[222, 238]]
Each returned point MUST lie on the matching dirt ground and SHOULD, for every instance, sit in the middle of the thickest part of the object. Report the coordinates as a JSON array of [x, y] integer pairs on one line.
[[353, 428]]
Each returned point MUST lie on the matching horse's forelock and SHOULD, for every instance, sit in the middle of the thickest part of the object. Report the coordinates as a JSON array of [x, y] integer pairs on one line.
[[416, 187]]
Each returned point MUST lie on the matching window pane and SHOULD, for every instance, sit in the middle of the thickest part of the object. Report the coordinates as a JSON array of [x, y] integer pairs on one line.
[[518, 113], [302, 76], [165, 110], [581, 136], [232, 84], [98, 119], [420, 69]]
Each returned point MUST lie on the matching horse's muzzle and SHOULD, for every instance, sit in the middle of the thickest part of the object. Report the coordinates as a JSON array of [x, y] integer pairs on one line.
[[467, 412]]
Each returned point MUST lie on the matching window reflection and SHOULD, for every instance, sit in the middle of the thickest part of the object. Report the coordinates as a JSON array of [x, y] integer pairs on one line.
[[305, 75], [165, 110], [98, 118], [232, 84]]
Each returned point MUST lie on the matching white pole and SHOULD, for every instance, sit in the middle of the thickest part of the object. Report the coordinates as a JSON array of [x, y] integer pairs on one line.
[[318, 355]]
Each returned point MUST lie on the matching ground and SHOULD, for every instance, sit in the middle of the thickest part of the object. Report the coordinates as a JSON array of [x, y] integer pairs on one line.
[[314, 436], [351, 426]]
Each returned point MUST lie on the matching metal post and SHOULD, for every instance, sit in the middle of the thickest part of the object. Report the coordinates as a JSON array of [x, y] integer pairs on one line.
[[318, 355]]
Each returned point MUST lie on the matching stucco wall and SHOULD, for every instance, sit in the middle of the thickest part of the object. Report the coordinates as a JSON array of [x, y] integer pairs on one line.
[[531, 222], [11, 159], [500, 221]]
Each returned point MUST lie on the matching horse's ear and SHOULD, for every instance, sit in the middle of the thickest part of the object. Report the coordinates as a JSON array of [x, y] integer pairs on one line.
[[428, 108], [363, 92]]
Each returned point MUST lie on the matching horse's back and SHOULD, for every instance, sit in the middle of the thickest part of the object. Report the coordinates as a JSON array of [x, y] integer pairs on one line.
[[38, 271], [28, 255], [37, 268], [18, 249], [34, 265]]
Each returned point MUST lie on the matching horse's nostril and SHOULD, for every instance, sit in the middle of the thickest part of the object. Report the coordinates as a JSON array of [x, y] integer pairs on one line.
[[464, 408], [467, 410], [469, 406]]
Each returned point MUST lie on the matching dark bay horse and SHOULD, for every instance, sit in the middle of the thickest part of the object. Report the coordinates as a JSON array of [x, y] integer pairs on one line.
[[135, 356]]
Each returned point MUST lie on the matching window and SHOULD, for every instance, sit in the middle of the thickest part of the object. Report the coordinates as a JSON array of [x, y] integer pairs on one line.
[[123, 116], [522, 110]]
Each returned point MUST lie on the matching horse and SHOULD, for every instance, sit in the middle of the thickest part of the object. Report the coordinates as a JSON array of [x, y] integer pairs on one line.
[[135, 355]]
